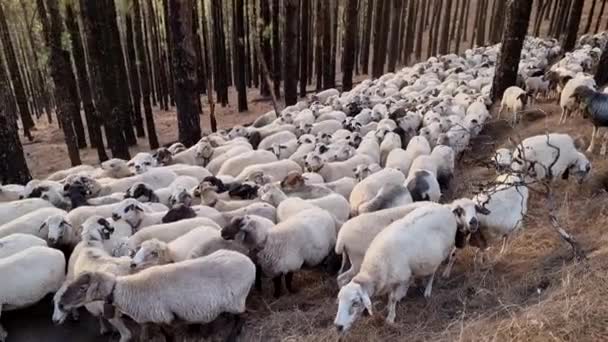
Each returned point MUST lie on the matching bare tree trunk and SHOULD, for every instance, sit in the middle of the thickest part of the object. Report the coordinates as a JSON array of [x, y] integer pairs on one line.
[[433, 32], [481, 26], [319, 45], [142, 66], [93, 121], [517, 20], [350, 37], [455, 26], [367, 29], [410, 30], [394, 36], [184, 71], [158, 58], [276, 48], [420, 33], [198, 50], [134, 77], [334, 40], [445, 33], [62, 74], [13, 167], [219, 53], [265, 38], [573, 23], [150, 60], [461, 25], [13, 68], [305, 6], [601, 75], [171, 83], [292, 22], [328, 81], [103, 72], [239, 60], [497, 21]]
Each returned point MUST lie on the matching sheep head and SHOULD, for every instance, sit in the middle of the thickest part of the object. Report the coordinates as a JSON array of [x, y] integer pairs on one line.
[[246, 229], [57, 227], [466, 210], [294, 180], [163, 156], [96, 228], [142, 193], [580, 168], [86, 288], [177, 213], [204, 150], [116, 168], [129, 210], [353, 298], [151, 253], [180, 196], [313, 162]]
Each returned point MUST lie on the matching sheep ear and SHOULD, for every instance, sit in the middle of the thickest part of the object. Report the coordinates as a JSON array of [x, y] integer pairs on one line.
[[482, 210], [458, 211], [42, 226], [367, 302]]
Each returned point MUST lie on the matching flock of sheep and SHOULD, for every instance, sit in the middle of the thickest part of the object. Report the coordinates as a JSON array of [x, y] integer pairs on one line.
[[351, 180]]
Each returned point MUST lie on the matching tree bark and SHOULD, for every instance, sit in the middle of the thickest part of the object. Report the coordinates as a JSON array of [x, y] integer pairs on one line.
[[601, 75], [328, 81], [367, 29], [334, 40], [590, 16], [163, 87], [13, 69], [394, 34], [93, 121], [276, 48], [142, 67], [304, 46], [264, 35], [134, 77], [497, 22], [576, 12], [432, 43], [420, 33], [517, 20], [319, 45], [410, 30], [184, 71], [600, 16], [292, 22], [13, 166], [62, 74], [104, 74], [461, 25], [169, 49], [350, 37], [219, 53], [445, 30], [150, 60], [240, 60]]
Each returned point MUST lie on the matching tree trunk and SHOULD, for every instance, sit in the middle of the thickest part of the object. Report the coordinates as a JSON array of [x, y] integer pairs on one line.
[[576, 12], [169, 49], [497, 22], [184, 71], [445, 30], [350, 37], [517, 19], [104, 74], [420, 33], [590, 16], [264, 35], [328, 81], [461, 25], [13, 167], [432, 47], [481, 26], [240, 59], [409, 31], [304, 46], [319, 45], [13, 68], [276, 47], [367, 29], [198, 49], [600, 16], [62, 74], [142, 66], [394, 36], [601, 75], [292, 22], [381, 23], [150, 60], [163, 87], [134, 77], [219, 48], [334, 41], [93, 121]]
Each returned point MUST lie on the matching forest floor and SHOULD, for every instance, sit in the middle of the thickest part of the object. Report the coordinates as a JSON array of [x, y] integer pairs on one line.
[[533, 292]]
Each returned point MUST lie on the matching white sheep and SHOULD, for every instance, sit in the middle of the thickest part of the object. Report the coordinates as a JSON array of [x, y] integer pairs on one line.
[[156, 178], [63, 174], [289, 206], [551, 156], [28, 276], [369, 187], [235, 165], [336, 170], [277, 138], [567, 102], [18, 242], [11, 192], [422, 185], [514, 100], [390, 142], [12, 210], [32, 223], [305, 238], [402, 159], [274, 171], [409, 248]]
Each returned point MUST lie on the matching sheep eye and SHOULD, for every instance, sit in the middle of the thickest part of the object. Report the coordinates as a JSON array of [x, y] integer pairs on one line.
[[147, 163], [154, 254]]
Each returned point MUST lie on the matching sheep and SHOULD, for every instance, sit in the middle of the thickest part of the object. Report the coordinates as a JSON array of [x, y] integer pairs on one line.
[[77, 216], [209, 195], [412, 247], [370, 186], [389, 196], [507, 202], [364, 171], [13, 210], [567, 100], [141, 162], [431, 132], [514, 100], [167, 196], [28, 276], [32, 223], [402, 159], [390, 142], [216, 163], [155, 178], [11, 192], [235, 165], [277, 138], [503, 157], [18, 242], [444, 157], [422, 185], [286, 207], [182, 212], [135, 214], [336, 170], [551, 156], [168, 232], [154, 252], [324, 95], [538, 87], [265, 119], [305, 238], [595, 106], [197, 280], [275, 171], [62, 174], [258, 209], [113, 168]]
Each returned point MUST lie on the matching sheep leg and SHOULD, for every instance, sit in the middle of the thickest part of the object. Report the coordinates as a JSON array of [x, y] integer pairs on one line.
[[604, 143], [103, 327], [121, 327], [236, 330], [500, 112], [562, 117], [395, 296], [451, 260], [3, 333], [278, 285], [505, 239], [289, 283], [258, 278], [343, 265], [593, 134], [429, 285]]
